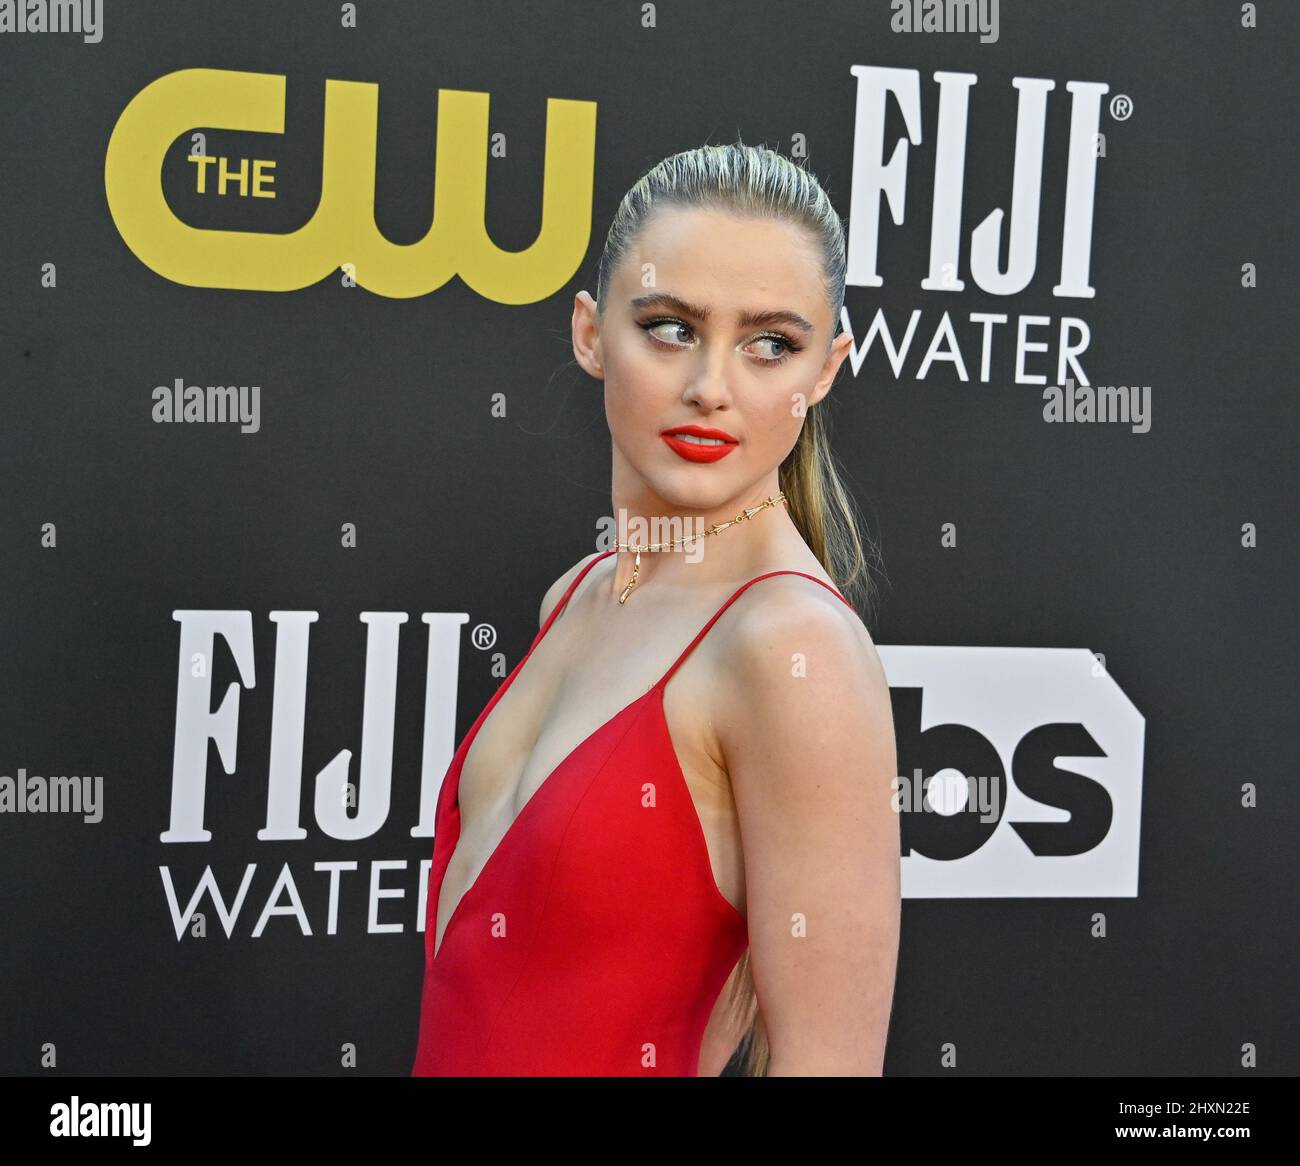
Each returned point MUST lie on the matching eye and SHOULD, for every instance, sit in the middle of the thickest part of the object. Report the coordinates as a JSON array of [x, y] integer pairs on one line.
[[669, 326], [784, 342]]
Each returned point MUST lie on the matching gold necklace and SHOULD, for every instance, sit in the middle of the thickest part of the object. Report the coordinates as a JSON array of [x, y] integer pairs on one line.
[[714, 529]]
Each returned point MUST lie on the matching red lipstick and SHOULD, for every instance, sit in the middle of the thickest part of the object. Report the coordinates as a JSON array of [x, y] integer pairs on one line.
[[714, 444]]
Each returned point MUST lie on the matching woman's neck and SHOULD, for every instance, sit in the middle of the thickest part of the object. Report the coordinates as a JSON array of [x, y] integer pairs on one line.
[[701, 560]]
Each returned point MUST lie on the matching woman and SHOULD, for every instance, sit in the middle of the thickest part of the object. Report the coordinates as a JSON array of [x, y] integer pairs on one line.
[[612, 850]]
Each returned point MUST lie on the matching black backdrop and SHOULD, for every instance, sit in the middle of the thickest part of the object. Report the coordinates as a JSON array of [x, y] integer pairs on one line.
[[377, 411]]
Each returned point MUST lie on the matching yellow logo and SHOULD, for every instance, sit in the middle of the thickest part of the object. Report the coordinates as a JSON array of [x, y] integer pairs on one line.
[[342, 232]]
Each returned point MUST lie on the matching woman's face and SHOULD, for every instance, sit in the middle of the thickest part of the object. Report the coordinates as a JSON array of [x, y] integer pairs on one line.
[[717, 322]]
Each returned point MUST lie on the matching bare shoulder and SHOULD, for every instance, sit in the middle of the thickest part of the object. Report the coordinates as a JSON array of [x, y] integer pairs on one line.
[[801, 655], [788, 624], [557, 589]]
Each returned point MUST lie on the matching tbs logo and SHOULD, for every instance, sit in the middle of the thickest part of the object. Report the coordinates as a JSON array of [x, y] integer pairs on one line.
[[1020, 773]]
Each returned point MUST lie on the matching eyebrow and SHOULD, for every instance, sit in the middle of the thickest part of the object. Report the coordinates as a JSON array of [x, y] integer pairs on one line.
[[747, 319]]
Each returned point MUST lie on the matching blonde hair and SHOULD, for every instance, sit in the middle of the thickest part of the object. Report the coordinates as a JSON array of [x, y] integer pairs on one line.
[[759, 182]]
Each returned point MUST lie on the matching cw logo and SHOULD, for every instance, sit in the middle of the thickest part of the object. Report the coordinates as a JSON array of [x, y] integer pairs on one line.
[[343, 229]]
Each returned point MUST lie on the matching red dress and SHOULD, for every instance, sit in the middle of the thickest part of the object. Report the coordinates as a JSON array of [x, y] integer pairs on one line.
[[595, 941]]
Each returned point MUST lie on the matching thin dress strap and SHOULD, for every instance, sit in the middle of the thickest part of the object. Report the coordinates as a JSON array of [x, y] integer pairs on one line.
[[564, 599], [736, 595]]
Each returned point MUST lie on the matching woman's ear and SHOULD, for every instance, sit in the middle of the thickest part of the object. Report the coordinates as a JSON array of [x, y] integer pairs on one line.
[[839, 349], [586, 335]]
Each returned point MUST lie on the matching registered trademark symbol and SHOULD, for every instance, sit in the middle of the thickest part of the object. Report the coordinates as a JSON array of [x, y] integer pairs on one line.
[[1121, 107], [483, 636]]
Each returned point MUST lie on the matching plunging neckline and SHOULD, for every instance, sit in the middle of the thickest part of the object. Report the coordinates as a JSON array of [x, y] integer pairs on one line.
[[510, 831], [631, 708]]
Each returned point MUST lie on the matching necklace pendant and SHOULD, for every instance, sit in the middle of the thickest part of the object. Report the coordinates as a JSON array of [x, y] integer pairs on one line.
[[636, 570]]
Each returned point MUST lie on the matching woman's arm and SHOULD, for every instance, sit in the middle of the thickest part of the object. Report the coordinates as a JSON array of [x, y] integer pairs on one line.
[[808, 741]]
